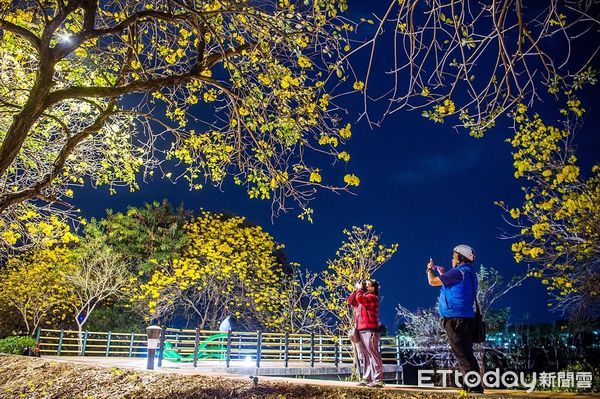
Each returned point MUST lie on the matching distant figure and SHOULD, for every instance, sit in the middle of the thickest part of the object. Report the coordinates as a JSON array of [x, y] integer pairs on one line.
[[37, 351], [365, 303], [225, 325], [29, 351], [457, 298]]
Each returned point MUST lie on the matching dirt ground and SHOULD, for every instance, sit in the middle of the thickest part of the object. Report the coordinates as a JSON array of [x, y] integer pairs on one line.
[[31, 378]]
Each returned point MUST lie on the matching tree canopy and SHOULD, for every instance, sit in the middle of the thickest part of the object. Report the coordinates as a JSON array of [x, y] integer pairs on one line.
[[228, 267], [557, 226], [105, 93], [359, 256], [152, 231], [471, 62], [34, 284]]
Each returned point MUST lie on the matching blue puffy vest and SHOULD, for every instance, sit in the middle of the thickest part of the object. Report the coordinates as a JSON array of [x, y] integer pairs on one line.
[[457, 300]]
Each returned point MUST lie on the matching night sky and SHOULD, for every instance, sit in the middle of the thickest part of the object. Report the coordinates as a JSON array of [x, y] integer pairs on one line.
[[423, 186]]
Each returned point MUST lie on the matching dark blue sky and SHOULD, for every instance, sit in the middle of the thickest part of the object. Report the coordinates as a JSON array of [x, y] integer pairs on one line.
[[423, 186]]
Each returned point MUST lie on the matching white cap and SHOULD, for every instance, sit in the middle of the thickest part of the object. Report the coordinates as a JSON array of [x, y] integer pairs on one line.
[[465, 251]]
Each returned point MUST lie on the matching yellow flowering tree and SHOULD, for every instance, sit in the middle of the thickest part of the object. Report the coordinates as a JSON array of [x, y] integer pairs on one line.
[[102, 92], [229, 267], [30, 229], [557, 225], [360, 255], [34, 284]]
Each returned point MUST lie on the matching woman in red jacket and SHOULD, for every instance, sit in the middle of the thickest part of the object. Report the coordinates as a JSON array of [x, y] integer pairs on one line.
[[366, 313]]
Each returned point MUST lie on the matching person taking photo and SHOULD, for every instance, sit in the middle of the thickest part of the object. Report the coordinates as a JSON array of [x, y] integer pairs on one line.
[[365, 303], [457, 298]]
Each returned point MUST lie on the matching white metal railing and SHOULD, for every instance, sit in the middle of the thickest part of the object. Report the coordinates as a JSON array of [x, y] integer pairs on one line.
[[182, 345]]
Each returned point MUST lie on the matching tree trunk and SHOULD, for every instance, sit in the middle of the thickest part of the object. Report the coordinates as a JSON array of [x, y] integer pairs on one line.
[[24, 120], [79, 338]]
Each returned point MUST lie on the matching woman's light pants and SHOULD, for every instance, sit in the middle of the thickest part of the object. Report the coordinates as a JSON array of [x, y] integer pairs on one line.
[[369, 353]]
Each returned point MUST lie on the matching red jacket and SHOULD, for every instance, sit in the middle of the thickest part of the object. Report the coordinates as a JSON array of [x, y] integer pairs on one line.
[[368, 318]]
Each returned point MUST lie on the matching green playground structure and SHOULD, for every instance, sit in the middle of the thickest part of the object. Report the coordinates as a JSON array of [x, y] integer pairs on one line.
[[207, 349]]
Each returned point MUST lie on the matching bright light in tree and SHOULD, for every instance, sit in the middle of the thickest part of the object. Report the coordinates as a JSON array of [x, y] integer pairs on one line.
[[64, 38]]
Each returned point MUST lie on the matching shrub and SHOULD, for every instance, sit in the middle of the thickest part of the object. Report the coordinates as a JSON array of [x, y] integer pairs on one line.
[[15, 345]]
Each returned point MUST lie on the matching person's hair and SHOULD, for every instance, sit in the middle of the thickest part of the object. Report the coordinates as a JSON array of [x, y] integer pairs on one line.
[[375, 285], [463, 259]]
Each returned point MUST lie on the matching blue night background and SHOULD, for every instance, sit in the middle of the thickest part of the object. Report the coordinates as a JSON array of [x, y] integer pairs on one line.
[[424, 185]]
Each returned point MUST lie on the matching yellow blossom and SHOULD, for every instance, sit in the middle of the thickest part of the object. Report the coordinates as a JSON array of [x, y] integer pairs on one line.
[[315, 176], [351, 180]]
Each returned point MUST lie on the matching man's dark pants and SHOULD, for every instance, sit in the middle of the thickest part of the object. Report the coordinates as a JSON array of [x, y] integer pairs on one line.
[[460, 336]]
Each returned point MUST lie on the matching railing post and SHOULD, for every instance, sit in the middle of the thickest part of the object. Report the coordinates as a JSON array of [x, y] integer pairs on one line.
[[38, 333], [312, 349], [85, 338], [258, 348], [60, 341], [286, 353], [321, 348], [336, 359], [398, 362], [398, 350], [301, 348], [228, 353], [108, 344], [196, 342], [131, 344], [280, 354], [161, 345]]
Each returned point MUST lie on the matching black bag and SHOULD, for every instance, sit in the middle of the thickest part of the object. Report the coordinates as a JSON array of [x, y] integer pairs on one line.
[[479, 328], [478, 323]]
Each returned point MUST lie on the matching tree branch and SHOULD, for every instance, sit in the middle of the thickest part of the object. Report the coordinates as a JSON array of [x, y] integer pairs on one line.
[[80, 92], [36, 190], [63, 49], [22, 32]]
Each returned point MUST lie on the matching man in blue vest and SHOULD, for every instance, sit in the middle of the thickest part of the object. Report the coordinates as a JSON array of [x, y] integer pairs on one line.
[[459, 287]]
